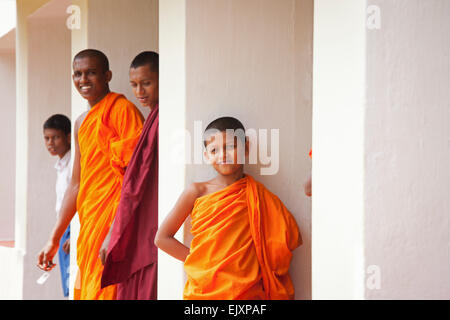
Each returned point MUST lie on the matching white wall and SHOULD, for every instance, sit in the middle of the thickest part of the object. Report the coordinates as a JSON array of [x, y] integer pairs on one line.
[[253, 60], [172, 97], [8, 143], [381, 150], [407, 150], [48, 93], [123, 30], [338, 149]]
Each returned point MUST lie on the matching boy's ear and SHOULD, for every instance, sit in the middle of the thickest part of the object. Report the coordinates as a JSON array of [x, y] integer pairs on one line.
[[247, 146], [108, 75], [206, 157]]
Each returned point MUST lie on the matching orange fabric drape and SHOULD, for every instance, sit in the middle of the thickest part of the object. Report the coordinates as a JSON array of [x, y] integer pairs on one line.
[[243, 239], [107, 138]]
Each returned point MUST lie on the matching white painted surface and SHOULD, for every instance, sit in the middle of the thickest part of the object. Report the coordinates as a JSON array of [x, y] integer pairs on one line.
[[48, 94], [7, 16], [8, 143], [338, 149], [172, 95], [253, 60], [11, 273], [123, 30], [407, 150]]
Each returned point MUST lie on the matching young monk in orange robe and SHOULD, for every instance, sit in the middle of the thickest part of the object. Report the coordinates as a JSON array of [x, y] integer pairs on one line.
[[243, 234], [105, 139]]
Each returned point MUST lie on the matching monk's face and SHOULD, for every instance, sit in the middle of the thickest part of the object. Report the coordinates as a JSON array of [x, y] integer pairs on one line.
[[56, 142], [90, 79], [145, 85], [226, 152]]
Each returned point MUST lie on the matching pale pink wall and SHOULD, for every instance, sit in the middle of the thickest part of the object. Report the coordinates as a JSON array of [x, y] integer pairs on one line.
[[49, 92], [8, 142], [253, 60], [122, 31], [407, 148]]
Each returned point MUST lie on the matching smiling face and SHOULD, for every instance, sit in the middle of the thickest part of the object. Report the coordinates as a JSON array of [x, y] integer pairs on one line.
[[226, 152], [90, 79], [145, 85], [56, 142]]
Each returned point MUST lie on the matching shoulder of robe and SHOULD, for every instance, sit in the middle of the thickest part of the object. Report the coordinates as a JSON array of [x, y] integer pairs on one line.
[[124, 106]]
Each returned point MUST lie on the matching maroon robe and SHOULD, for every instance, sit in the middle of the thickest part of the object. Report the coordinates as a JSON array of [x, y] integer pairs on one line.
[[132, 255]]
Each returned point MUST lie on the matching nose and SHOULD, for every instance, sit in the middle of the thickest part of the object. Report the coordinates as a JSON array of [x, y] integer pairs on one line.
[[83, 77], [223, 155], [140, 89]]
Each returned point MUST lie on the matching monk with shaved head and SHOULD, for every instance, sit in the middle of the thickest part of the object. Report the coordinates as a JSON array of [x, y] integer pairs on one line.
[[105, 137]]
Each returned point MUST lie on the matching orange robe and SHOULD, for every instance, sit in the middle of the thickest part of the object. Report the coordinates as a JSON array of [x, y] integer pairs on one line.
[[242, 246], [107, 138]]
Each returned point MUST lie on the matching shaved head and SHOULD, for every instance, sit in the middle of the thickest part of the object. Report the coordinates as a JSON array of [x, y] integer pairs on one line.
[[92, 53], [146, 58]]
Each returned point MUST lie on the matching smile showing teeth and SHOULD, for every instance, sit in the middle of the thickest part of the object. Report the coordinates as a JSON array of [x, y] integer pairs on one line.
[[85, 87]]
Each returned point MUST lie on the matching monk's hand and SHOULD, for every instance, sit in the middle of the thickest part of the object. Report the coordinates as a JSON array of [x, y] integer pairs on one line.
[[104, 249], [66, 246], [46, 255]]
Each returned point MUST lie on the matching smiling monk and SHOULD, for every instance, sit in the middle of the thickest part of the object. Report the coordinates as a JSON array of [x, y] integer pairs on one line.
[[105, 138]]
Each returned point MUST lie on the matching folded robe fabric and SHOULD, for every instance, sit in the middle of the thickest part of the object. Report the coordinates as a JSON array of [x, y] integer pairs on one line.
[[107, 138], [132, 247], [242, 246]]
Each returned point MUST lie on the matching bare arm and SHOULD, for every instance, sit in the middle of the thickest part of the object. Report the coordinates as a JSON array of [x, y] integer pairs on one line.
[[164, 238], [68, 209], [308, 187]]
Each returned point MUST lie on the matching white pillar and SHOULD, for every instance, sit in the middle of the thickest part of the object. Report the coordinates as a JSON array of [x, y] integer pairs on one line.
[[338, 149], [24, 9], [172, 95]]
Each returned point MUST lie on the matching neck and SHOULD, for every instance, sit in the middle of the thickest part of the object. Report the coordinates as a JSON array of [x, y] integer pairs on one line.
[[98, 99], [232, 178], [153, 106], [63, 154]]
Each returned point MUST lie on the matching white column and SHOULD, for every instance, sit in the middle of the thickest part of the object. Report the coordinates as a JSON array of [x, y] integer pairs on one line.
[[172, 95], [338, 149]]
